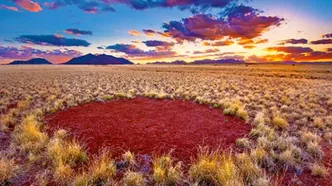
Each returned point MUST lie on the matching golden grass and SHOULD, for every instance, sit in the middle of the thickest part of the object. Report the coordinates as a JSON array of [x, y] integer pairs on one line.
[[63, 173], [215, 168], [28, 135], [8, 169], [165, 171], [129, 158], [248, 168], [131, 178], [102, 168], [319, 170], [279, 122], [64, 151]]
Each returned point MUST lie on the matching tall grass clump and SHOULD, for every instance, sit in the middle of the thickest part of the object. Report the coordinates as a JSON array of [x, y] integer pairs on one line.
[[165, 171], [215, 168], [28, 135]]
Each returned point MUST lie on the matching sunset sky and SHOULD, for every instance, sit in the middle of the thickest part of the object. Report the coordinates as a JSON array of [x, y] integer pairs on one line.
[[167, 30]]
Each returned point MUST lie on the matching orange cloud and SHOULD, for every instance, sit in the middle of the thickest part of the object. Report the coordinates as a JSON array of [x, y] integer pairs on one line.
[[249, 46], [261, 41], [133, 33], [28, 5], [218, 43]]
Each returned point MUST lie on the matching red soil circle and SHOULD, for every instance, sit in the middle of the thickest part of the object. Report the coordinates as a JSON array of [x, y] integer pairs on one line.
[[147, 126]]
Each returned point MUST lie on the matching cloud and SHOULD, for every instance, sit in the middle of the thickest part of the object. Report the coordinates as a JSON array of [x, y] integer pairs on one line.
[[88, 6], [25, 53], [237, 22], [327, 35], [134, 52], [245, 42], [51, 40], [12, 8], [149, 32], [218, 43], [329, 49], [249, 46], [294, 41], [133, 33], [193, 5], [290, 49], [28, 5], [261, 41], [208, 51], [156, 43], [75, 31], [322, 41], [309, 57]]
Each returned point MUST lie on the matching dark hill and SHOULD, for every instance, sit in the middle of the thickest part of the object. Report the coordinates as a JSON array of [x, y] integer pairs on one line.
[[103, 59]]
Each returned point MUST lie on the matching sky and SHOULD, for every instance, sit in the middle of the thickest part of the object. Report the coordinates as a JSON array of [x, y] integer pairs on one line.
[[167, 30]]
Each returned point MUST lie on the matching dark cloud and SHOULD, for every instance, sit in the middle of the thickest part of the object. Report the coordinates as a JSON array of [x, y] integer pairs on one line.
[[290, 49], [329, 49], [240, 22], [322, 42], [23, 53], [51, 40], [327, 35], [156, 43], [294, 41], [75, 31], [193, 5]]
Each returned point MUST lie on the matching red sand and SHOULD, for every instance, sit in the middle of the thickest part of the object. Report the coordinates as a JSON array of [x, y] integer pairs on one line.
[[146, 126]]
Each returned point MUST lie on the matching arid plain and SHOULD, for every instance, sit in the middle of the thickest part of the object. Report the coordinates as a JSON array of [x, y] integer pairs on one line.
[[166, 125]]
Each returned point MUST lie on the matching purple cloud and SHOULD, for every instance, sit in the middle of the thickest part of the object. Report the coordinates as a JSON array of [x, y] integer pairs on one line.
[[322, 42], [51, 40], [236, 22], [133, 51], [106, 5], [156, 43], [290, 49], [75, 31], [24, 53], [327, 35], [294, 41]]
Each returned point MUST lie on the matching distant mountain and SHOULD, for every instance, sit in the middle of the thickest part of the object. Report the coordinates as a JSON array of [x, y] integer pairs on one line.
[[218, 61], [102, 59], [178, 62], [35, 61], [201, 62]]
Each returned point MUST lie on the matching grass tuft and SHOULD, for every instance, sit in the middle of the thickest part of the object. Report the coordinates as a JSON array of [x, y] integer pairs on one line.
[[131, 178]]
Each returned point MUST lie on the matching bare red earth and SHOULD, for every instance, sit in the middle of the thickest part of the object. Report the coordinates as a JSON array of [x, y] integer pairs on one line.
[[147, 126]]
